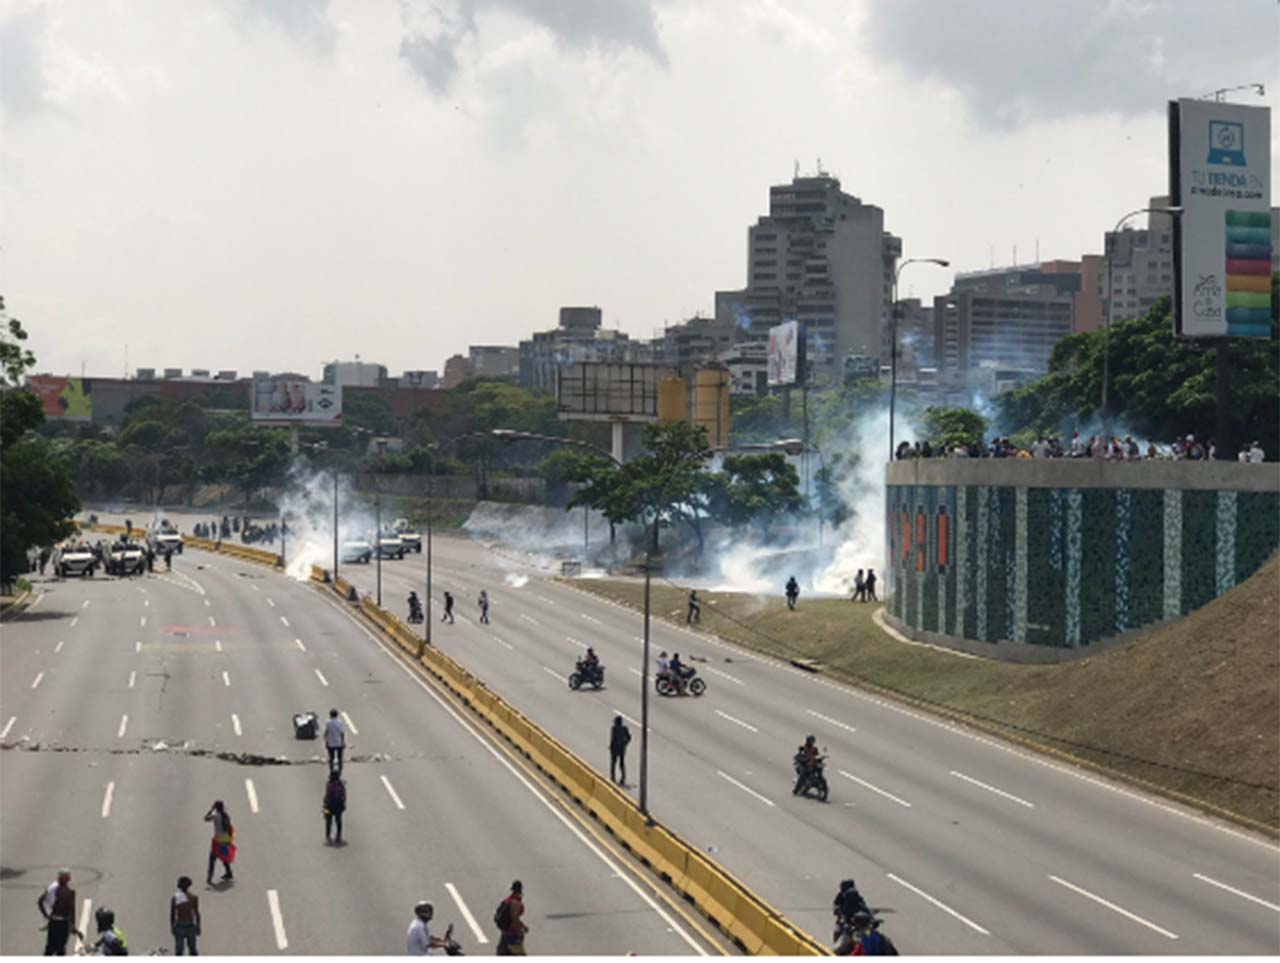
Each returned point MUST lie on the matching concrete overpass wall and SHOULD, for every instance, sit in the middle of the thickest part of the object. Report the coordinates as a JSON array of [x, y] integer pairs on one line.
[[1046, 560]]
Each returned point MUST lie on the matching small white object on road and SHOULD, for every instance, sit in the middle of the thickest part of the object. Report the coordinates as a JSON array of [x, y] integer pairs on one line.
[[739, 722], [1203, 879], [235, 724], [466, 914], [746, 789], [529, 618], [285, 621], [146, 603], [938, 903], [395, 798], [106, 799], [323, 680], [875, 789], [252, 794], [37, 680], [1114, 908], [226, 679], [124, 724], [7, 726], [993, 789], [133, 677], [298, 643], [277, 920]]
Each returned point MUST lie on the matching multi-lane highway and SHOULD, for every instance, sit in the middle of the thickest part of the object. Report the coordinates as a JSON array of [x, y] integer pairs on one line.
[[963, 843], [128, 705]]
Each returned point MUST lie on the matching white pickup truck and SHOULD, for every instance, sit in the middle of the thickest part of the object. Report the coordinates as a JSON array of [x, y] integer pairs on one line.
[[75, 560], [126, 558], [164, 540]]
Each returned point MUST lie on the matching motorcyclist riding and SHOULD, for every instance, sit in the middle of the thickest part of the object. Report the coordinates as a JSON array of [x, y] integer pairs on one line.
[[590, 665], [415, 608], [806, 760], [679, 673], [846, 905]]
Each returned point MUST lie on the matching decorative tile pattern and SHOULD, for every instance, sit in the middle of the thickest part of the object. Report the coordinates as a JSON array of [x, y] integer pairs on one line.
[[980, 572], [1226, 532], [1074, 528], [960, 532], [1123, 515], [1172, 554], [1019, 629]]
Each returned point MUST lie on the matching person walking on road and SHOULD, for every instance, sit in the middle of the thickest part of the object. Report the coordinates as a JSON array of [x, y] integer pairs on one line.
[[484, 607], [335, 740], [509, 923], [448, 608], [695, 608], [335, 804], [871, 586], [793, 592], [184, 917], [619, 737], [222, 848], [859, 587], [57, 905]]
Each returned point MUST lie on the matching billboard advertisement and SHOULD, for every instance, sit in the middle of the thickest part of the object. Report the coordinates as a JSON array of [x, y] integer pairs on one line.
[[284, 401], [67, 399], [609, 391], [785, 354], [1220, 175]]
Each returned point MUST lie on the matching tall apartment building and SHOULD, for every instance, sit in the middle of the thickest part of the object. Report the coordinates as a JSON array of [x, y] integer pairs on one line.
[[822, 257], [1141, 266], [698, 340], [355, 373], [457, 369], [578, 337], [494, 361]]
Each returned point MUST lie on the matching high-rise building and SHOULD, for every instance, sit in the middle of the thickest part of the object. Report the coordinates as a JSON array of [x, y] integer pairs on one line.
[[579, 337], [821, 257], [354, 373], [457, 369], [494, 361], [696, 341], [1140, 268]]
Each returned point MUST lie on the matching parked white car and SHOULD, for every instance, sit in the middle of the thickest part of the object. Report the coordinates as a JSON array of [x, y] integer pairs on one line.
[[357, 550]]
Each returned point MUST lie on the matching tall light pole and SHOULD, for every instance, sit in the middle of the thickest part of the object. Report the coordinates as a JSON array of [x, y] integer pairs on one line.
[[1106, 331], [507, 434], [893, 338]]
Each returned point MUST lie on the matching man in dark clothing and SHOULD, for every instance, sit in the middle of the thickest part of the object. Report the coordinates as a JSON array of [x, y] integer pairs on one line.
[[859, 588], [151, 559], [619, 736], [57, 905], [871, 586], [793, 592], [448, 608], [513, 930], [335, 804], [695, 608]]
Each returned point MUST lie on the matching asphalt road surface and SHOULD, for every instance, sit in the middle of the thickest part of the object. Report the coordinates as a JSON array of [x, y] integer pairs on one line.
[[117, 694], [962, 843]]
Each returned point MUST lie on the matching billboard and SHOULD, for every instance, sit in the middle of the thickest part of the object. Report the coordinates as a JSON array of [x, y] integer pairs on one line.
[[68, 399], [784, 359], [285, 401], [1220, 175], [609, 391]]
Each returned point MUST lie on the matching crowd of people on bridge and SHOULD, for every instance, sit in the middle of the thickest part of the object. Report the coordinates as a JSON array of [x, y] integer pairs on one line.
[[1095, 446]]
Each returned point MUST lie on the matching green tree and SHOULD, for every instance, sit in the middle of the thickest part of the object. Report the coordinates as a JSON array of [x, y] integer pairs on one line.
[[15, 360], [948, 427], [370, 412], [752, 489]]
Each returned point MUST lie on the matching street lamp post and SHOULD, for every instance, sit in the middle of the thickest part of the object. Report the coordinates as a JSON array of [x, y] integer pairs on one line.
[[893, 338], [1106, 331]]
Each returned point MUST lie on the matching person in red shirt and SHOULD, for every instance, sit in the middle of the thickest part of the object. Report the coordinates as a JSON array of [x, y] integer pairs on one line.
[[513, 929]]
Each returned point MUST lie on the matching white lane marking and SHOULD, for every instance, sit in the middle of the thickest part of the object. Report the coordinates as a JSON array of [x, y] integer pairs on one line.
[[277, 921], [1112, 906], [226, 679], [7, 726], [500, 642], [554, 673], [137, 647], [323, 680], [998, 792], [106, 799], [235, 724], [298, 643], [84, 924], [85, 604], [1204, 879], [619, 712], [529, 618], [591, 618], [724, 675], [938, 903], [285, 621], [613, 867], [252, 794], [834, 722], [877, 789], [74, 621], [124, 724], [146, 603], [207, 603], [254, 587], [392, 792], [350, 725], [142, 622], [133, 677], [573, 641], [466, 914], [58, 648], [634, 671], [37, 681], [217, 645], [212, 621], [746, 789], [543, 598], [271, 603], [739, 722]]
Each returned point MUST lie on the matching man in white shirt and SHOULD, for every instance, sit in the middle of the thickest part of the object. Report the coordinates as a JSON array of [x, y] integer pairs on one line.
[[1256, 456], [420, 938], [335, 739]]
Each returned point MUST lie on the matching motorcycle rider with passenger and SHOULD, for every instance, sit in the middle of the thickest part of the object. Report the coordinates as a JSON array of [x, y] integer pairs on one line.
[[679, 673], [415, 607], [806, 761]]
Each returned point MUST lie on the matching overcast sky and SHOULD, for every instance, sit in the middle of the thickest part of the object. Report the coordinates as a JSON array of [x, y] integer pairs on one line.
[[275, 183]]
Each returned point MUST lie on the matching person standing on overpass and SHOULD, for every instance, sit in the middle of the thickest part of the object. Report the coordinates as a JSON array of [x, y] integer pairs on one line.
[[57, 905], [184, 917], [509, 923], [335, 740], [484, 607]]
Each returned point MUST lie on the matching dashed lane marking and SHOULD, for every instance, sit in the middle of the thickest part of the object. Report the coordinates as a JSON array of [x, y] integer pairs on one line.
[[254, 587], [529, 618], [737, 722], [555, 674], [993, 789], [466, 914], [7, 726], [1114, 908], [277, 921], [78, 945], [212, 621], [834, 722], [235, 724], [124, 724], [570, 639], [226, 678], [746, 789], [1204, 879], [85, 604], [58, 648], [875, 789], [271, 603], [323, 680], [146, 603], [633, 670], [724, 675], [591, 618], [284, 621], [133, 677], [619, 712], [252, 794], [938, 903], [501, 642], [298, 643], [217, 645], [137, 647], [74, 622], [142, 622], [350, 725], [106, 799], [37, 680], [391, 790], [207, 603]]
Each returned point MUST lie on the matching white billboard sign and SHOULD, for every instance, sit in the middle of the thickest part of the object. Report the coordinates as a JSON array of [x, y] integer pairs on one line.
[[783, 358], [285, 401], [1220, 158]]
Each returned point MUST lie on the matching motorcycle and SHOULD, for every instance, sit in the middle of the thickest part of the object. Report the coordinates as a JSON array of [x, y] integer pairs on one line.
[[415, 613], [583, 674], [451, 946], [814, 779], [693, 684]]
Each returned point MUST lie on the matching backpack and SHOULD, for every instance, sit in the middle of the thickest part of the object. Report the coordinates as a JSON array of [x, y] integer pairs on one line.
[[336, 798], [502, 915]]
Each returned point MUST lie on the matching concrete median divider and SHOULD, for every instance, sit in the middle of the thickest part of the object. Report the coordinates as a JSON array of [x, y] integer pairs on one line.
[[244, 552], [755, 926]]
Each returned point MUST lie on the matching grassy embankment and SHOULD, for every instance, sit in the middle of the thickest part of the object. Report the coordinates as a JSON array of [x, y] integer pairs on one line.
[[1191, 708]]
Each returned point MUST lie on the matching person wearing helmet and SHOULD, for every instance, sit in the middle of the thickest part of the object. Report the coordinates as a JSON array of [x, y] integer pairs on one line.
[[591, 660], [111, 941], [420, 938], [848, 902], [806, 759]]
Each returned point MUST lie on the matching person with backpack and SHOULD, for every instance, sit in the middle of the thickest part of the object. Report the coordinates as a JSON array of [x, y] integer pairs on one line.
[[619, 737], [184, 917], [110, 941], [222, 848], [507, 917], [869, 940], [335, 804]]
